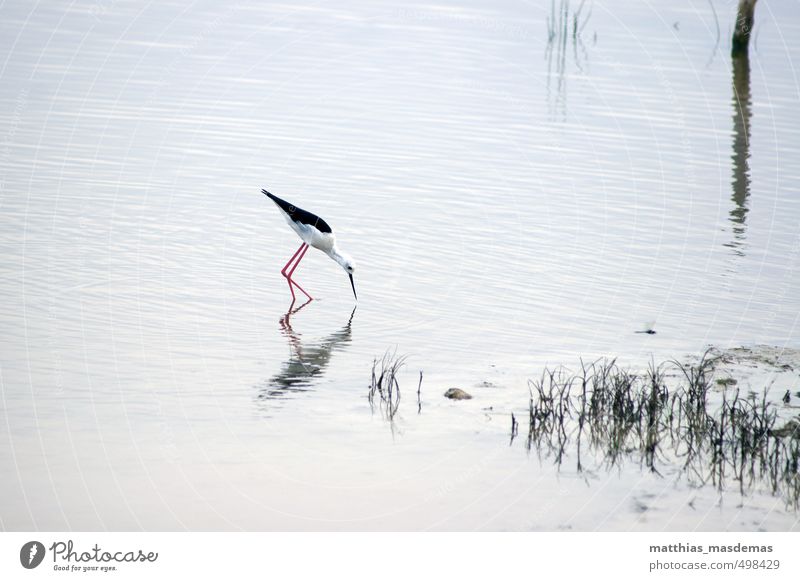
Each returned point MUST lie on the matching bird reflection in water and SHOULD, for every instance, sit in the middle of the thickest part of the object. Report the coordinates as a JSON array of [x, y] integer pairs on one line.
[[307, 361]]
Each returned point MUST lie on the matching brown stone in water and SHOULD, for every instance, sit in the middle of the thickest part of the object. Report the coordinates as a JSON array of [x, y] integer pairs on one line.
[[456, 393]]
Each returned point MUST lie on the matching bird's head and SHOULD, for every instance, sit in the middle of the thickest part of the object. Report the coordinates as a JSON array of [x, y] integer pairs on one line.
[[349, 267]]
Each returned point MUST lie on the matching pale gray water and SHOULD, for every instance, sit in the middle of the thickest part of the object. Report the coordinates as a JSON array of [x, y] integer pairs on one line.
[[509, 206]]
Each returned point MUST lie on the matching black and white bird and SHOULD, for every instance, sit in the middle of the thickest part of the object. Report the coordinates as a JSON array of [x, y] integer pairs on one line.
[[313, 231]]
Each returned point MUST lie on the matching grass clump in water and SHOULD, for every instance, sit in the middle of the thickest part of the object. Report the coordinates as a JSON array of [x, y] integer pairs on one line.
[[609, 414], [384, 389]]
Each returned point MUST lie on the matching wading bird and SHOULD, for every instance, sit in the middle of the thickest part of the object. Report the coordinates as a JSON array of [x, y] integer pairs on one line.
[[313, 231]]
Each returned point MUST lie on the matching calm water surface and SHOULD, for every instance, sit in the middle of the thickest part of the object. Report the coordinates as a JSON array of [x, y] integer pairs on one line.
[[511, 203]]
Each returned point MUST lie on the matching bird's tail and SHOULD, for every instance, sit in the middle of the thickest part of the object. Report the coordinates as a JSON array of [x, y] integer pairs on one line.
[[282, 204]]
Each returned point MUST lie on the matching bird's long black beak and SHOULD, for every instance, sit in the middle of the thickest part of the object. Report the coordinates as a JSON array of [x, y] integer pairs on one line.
[[350, 274]]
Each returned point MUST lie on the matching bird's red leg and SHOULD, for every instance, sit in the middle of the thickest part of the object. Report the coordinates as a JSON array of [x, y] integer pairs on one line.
[[291, 260], [291, 272], [288, 275]]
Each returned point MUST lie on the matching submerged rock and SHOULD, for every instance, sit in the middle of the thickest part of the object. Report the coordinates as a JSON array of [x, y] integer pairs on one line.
[[726, 381], [456, 393]]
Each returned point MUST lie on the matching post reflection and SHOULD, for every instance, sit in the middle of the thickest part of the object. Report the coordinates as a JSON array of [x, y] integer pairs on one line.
[[741, 150], [307, 360], [564, 29]]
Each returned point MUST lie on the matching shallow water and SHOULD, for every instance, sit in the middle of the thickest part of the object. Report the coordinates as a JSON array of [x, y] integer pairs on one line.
[[510, 203]]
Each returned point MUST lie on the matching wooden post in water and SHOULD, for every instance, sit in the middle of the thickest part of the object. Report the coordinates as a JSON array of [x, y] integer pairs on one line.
[[743, 28]]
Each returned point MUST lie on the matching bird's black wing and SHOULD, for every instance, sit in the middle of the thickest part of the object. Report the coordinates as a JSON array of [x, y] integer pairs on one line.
[[300, 215]]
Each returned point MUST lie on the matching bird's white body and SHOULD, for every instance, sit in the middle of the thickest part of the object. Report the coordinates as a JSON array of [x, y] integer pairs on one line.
[[325, 241]]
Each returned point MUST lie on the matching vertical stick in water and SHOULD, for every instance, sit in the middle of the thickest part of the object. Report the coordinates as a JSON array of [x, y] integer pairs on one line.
[[743, 28]]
